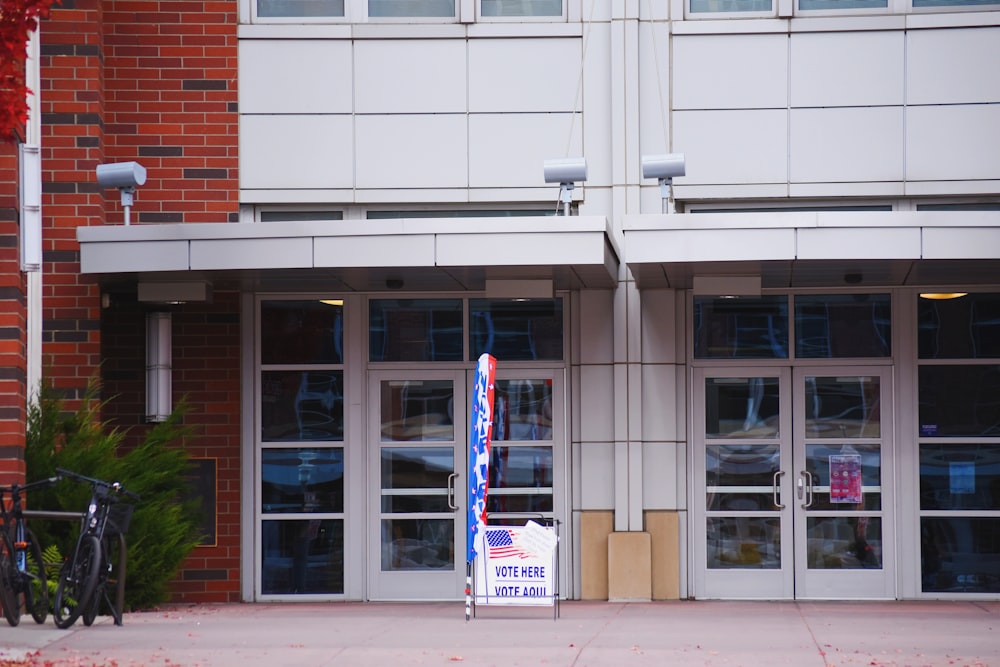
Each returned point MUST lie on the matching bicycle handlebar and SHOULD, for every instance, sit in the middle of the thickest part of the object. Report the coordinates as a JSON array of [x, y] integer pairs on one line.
[[116, 487], [18, 488]]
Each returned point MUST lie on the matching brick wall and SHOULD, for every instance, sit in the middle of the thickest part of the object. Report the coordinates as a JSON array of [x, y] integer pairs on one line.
[[206, 372], [154, 82], [12, 324]]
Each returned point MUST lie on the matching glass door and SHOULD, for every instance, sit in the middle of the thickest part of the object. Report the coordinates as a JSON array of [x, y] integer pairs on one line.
[[792, 486], [742, 425], [418, 435], [843, 483]]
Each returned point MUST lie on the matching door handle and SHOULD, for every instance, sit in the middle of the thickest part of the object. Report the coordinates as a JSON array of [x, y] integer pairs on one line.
[[451, 491], [775, 492], [806, 483]]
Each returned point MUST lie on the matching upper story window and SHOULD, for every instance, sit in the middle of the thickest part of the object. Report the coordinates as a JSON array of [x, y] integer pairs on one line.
[[767, 8], [432, 10]]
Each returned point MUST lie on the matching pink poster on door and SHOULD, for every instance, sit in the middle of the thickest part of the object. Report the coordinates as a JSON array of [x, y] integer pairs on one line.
[[845, 478]]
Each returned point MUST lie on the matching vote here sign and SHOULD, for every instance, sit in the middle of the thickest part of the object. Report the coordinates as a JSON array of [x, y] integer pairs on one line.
[[510, 572]]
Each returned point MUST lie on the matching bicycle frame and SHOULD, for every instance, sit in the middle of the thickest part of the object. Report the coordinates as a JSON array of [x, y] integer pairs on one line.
[[85, 574], [16, 538]]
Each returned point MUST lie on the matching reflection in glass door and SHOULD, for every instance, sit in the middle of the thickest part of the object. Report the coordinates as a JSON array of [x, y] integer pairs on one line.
[[844, 546], [792, 483], [417, 529]]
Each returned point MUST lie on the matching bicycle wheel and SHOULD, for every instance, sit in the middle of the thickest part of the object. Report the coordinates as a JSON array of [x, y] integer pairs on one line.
[[90, 613], [9, 584], [36, 588], [77, 581]]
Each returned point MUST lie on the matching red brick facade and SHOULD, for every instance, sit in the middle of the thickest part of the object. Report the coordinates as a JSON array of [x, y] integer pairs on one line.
[[12, 324], [153, 82]]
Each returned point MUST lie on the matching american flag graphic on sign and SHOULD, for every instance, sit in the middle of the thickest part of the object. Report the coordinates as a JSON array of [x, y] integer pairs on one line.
[[502, 543]]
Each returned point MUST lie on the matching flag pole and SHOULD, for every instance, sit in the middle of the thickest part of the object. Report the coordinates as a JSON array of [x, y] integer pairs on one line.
[[468, 590]]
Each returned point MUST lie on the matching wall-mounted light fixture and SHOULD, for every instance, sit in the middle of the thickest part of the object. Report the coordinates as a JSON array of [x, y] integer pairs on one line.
[[566, 172], [664, 168], [125, 176], [159, 386]]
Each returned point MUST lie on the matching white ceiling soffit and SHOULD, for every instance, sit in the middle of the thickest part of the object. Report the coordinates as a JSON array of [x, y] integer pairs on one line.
[[574, 251], [815, 249]]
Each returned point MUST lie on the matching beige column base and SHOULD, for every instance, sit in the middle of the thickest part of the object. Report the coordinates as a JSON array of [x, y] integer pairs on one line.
[[630, 567]]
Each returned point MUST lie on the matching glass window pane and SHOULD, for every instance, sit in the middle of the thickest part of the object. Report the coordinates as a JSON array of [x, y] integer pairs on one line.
[[302, 556], [960, 554], [516, 330], [415, 479], [520, 467], [302, 332], [522, 410], [302, 480], [744, 542], [843, 407], [501, 502], [305, 8], [953, 3], [730, 6], [843, 542], [417, 410], [741, 408], [845, 477], [459, 213], [301, 405], [741, 328], [842, 4], [411, 8], [741, 477], [959, 400], [959, 476], [418, 544], [292, 216], [522, 7], [843, 325], [963, 328], [415, 330]]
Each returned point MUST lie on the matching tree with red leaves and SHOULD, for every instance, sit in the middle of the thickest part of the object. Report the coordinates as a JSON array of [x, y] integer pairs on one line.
[[18, 19]]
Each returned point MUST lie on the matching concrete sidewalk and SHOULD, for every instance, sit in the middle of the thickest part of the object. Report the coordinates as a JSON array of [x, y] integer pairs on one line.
[[587, 634]]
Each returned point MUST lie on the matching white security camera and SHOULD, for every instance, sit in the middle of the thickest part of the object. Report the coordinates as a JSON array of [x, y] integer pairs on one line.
[[669, 165], [566, 170], [121, 175], [124, 176]]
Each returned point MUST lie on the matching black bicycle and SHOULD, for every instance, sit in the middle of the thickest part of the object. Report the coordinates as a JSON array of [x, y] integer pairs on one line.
[[23, 584], [87, 576]]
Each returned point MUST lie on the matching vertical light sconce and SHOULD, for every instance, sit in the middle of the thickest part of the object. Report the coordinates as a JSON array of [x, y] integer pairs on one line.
[[159, 403], [31, 208]]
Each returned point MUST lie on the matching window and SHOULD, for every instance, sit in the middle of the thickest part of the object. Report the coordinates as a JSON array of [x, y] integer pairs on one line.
[[301, 451], [521, 8], [842, 325], [727, 6], [415, 330], [741, 328], [298, 216], [299, 8], [516, 330], [959, 398], [409, 9]]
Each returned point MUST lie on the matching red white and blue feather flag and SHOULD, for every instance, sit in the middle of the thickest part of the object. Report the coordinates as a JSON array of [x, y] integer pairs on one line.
[[480, 432]]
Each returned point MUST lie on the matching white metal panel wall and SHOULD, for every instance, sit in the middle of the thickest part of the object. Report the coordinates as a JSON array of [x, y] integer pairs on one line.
[[406, 76], [852, 144], [509, 150], [519, 75], [412, 151], [296, 152], [835, 69], [959, 142], [730, 72], [952, 66], [295, 76], [723, 147]]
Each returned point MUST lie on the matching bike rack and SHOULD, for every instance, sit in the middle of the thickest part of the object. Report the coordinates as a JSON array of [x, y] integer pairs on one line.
[[122, 556]]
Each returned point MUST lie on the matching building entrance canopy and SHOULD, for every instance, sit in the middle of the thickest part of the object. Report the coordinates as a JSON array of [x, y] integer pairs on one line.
[[573, 252], [815, 249]]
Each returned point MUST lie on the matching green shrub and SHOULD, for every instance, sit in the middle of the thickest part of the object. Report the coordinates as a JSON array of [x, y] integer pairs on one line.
[[165, 525]]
